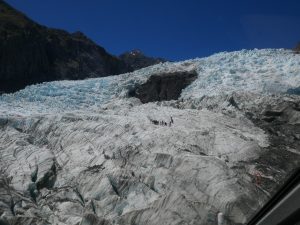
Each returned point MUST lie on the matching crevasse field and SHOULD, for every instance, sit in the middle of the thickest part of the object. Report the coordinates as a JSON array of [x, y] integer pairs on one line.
[[84, 152], [258, 71]]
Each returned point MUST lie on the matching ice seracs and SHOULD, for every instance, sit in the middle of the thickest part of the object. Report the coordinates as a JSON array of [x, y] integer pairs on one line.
[[257, 71]]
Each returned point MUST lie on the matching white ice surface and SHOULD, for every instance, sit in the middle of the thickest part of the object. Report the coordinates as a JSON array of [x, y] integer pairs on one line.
[[106, 148], [258, 71]]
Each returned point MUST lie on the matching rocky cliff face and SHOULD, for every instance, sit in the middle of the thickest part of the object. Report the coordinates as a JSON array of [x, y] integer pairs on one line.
[[31, 53], [87, 152]]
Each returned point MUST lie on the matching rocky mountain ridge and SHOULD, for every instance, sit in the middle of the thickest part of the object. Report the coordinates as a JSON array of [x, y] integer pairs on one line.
[[137, 60], [31, 53]]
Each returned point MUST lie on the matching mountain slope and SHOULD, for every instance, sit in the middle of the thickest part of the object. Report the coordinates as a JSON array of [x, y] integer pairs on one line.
[[87, 152], [137, 60], [31, 53]]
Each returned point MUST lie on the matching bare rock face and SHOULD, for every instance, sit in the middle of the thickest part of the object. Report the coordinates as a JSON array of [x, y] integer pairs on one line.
[[163, 86]]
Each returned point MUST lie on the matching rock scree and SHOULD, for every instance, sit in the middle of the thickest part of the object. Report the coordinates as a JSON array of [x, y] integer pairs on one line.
[[164, 86]]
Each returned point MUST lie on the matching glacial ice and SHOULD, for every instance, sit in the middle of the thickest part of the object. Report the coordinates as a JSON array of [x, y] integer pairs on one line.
[[99, 159], [257, 71]]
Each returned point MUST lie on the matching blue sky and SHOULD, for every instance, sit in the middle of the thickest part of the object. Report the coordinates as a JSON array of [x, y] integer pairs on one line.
[[173, 29]]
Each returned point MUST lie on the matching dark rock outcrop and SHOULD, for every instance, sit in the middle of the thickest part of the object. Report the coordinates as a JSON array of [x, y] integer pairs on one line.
[[166, 86], [135, 59], [297, 48]]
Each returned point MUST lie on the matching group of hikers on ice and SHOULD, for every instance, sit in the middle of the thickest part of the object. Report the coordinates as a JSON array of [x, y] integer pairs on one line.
[[163, 123]]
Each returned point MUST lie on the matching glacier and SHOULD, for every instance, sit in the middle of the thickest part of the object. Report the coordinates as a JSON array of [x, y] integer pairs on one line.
[[258, 71], [85, 152]]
